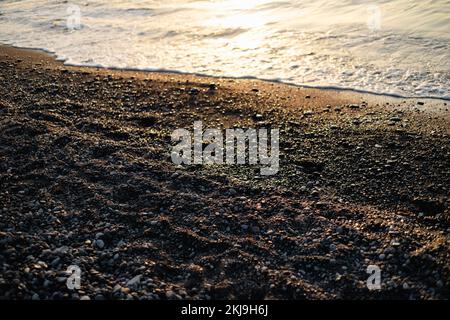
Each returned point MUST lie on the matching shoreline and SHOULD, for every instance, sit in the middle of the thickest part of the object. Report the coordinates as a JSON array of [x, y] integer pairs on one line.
[[434, 101], [54, 56], [86, 179]]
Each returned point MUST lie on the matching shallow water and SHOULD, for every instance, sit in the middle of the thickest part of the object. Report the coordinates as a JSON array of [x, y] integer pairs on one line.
[[399, 47]]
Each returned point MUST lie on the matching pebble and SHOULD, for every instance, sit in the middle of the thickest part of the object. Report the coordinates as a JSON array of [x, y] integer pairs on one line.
[[322, 205], [255, 229], [194, 91], [61, 250], [315, 194], [85, 298], [134, 282], [172, 295], [183, 293], [99, 235], [99, 243], [395, 243]]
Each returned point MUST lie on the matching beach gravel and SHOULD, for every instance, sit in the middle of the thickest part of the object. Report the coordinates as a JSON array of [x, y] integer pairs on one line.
[[86, 180]]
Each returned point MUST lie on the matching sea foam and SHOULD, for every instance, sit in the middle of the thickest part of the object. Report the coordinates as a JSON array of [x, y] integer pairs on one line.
[[398, 47]]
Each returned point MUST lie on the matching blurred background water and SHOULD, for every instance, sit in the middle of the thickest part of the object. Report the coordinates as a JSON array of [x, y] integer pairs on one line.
[[399, 47]]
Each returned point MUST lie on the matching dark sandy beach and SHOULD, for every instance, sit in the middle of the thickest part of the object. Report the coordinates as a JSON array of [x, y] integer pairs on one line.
[[86, 179]]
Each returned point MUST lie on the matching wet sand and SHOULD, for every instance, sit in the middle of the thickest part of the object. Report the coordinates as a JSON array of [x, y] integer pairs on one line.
[[86, 179]]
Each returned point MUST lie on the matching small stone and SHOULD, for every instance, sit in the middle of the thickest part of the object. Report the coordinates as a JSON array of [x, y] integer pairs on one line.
[[134, 282], [255, 229], [35, 297], [99, 244], [339, 230], [55, 262], [308, 113], [315, 194], [395, 243], [85, 298], [333, 247], [382, 256], [172, 295], [98, 235], [321, 205], [183, 293], [354, 106]]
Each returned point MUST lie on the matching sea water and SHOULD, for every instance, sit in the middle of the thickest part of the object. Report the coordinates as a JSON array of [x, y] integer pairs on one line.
[[399, 47]]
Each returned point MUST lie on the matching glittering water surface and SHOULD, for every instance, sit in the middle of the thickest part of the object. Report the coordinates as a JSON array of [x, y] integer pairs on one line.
[[397, 47]]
